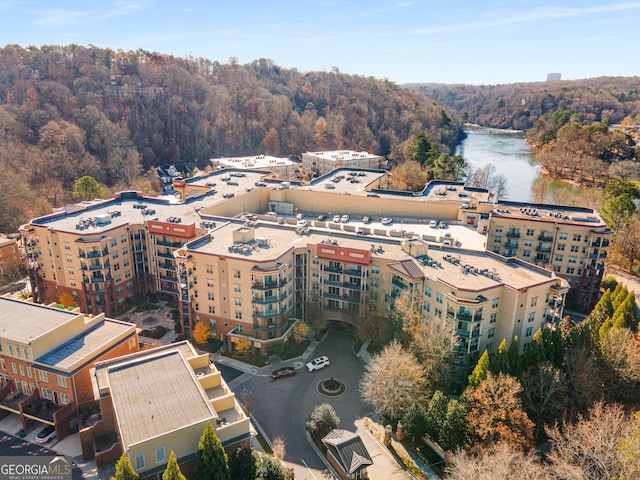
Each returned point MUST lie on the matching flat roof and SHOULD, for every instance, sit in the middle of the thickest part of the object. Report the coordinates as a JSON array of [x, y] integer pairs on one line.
[[85, 347], [23, 322], [541, 212], [275, 240], [253, 161], [154, 394], [342, 155]]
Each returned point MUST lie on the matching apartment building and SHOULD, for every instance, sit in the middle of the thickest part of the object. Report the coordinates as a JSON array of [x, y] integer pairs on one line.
[[322, 163], [249, 256], [46, 354], [571, 241], [281, 167], [9, 255], [158, 401]]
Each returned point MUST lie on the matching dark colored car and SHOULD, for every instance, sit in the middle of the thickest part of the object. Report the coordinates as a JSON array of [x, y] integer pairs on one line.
[[283, 372], [322, 218]]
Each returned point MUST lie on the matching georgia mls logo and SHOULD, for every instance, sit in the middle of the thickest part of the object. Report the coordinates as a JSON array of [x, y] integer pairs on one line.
[[35, 468]]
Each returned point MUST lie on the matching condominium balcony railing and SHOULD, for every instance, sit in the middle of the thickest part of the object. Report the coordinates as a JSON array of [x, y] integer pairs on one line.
[[281, 282], [269, 299], [270, 313]]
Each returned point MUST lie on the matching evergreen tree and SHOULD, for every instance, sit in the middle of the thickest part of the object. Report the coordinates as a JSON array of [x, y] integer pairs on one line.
[[436, 414], [124, 470], [513, 355], [414, 421], [626, 315], [499, 363], [480, 371], [242, 465], [172, 471], [535, 353], [453, 431], [212, 461], [618, 296], [270, 468], [604, 304]]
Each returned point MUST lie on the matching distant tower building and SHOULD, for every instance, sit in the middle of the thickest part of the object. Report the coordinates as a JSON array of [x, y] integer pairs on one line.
[[553, 76]]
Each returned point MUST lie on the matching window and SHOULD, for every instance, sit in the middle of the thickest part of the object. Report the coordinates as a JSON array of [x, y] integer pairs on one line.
[[0, 346], [116, 267], [64, 398], [570, 270], [558, 258], [210, 282], [238, 315], [577, 238], [238, 301], [529, 231], [212, 323], [125, 251], [118, 278], [62, 381], [69, 258], [139, 460], [13, 367], [208, 268], [427, 292], [210, 296], [11, 349], [238, 327], [126, 262], [534, 301], [573, 259], [67, 246], [160, 454], [491, 332], [560, 247], [439, 297], [18, 352], [562, 236], [127, 274], [528, 332], [499, 229], [46, 393], [532, 317], [236, 274], [495, 303], [3, 364], [427, 307], [526, 253], [237, 288], [528, 243], [115, 255], [21, 369], [123, 239], [70, 270], [497, 239], [438, 312], [43, 376], [375, 269], [493, 317], [114, 242]]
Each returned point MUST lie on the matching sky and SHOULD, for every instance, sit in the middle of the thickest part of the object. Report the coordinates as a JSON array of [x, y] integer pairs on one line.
[[405, 41]]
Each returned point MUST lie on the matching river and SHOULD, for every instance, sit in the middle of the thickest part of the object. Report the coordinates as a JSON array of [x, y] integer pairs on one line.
[[509, 153]]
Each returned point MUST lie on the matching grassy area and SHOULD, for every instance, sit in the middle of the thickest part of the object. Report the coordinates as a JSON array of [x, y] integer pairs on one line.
[[256, 360], [146, 307], [156, 332], [293, 349]]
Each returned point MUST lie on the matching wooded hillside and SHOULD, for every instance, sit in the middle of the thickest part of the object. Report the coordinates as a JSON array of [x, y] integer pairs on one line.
[[70, 111], [519, 105]]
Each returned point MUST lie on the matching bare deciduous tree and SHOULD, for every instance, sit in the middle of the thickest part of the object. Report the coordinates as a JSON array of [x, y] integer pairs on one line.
[[590, 448], [392, 381], [500, 462]]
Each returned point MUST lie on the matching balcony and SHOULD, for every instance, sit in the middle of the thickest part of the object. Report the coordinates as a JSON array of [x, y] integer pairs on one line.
[[352, 286], [166, 243], [281, 282], [270, 313], [94, 253], [165, 255], [545, 237], [399, 283], [331, 283], [332, 269], [467, 333], [167, 266], [354, 273], [543, 248], [97, 266], [269, 299], [96, 278], [513, 233]]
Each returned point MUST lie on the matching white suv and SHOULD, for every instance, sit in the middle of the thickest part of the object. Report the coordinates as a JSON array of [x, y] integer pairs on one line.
[[318, 363]]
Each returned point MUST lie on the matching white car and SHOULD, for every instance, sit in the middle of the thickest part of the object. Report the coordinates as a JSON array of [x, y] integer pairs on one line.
[[302, 223], [344, 218], [386, 220], [318, 363], [433, 224], [300, 216], [336, 219]]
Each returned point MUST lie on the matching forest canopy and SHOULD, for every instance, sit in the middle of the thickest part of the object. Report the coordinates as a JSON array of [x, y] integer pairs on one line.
[[72, 111]]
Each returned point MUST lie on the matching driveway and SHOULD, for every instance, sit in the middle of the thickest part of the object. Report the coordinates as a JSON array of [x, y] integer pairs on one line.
[[282, 406]]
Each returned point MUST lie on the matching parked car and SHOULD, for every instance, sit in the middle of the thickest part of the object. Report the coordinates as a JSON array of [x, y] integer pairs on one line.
[[433, 224], [386, 220], [336, 219], [47, 434], [322, 218], [366, 219], [283, 372], [301, 223], [344, 218], [300, 216], [442, 224], [318, 363]]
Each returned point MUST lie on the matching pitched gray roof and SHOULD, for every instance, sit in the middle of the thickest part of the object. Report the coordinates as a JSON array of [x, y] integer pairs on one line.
[[348, 449]]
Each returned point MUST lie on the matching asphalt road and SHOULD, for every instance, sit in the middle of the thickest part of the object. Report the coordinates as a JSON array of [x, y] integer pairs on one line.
[[10, 445], [282, 406]]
